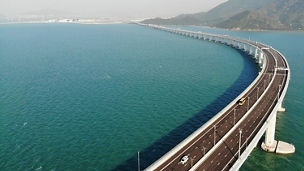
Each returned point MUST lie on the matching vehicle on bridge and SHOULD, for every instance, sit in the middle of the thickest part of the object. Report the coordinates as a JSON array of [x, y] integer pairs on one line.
[[241, 101], [184, 159]]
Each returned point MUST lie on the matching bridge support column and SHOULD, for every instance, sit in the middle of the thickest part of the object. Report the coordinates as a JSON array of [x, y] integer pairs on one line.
[[256, 54], [250, 50], [239, 45], [200, 36], [245, 47], [261, 57], [281, 109], [270, 144]]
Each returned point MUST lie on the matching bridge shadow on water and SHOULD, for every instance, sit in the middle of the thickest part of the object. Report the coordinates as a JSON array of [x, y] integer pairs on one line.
[[166, 143]]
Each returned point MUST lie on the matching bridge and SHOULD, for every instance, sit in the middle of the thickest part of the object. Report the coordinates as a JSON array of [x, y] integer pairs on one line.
[[227, 139]]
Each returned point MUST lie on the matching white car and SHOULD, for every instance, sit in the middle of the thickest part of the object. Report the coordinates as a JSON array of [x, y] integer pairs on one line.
[[184, 159]]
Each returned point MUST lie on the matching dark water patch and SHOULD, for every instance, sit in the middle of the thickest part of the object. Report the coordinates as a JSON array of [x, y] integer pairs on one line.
[[166, 143]]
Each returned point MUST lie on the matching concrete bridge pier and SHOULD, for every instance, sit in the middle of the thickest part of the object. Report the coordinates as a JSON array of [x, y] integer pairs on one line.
[[195, 35], [227, 41], [261, 57], [223, 40], [239, 45], [250, 50], [200, 36], [281, 109], [204, 37], [245, 47], [273, 146], [256, 54], [270, 144]]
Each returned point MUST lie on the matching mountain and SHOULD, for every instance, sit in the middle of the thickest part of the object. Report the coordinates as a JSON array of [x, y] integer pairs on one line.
[[215, 15], [279, 15], [246, 14]]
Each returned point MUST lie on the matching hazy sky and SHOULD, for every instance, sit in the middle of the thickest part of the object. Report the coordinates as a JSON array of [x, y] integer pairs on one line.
[[109, 8]]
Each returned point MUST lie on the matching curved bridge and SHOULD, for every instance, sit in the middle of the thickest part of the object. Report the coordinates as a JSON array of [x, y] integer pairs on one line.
[[226, 140]]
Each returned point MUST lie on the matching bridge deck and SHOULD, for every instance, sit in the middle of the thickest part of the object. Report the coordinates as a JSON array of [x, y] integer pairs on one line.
[[216, 147]]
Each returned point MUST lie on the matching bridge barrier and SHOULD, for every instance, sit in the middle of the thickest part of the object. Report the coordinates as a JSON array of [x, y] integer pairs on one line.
[[237, 165]]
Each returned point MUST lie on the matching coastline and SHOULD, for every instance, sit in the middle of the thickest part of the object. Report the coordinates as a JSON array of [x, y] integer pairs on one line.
[[238, 29], [96, 22]]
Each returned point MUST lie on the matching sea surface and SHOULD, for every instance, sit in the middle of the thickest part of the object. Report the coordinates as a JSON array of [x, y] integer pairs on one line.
[[89, 97]]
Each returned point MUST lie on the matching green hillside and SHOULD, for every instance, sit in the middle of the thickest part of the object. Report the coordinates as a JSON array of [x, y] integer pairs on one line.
[[220, 13], [280, 15], [246, 14]]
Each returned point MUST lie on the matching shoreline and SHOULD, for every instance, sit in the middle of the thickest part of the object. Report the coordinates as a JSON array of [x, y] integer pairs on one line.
[[239, 30], [127, 22]]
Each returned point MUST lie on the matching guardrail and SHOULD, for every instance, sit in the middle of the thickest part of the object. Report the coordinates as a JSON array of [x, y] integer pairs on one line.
[[260, 133]]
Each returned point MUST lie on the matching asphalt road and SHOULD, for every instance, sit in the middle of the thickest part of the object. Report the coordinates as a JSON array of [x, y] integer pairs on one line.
[[223, 157]]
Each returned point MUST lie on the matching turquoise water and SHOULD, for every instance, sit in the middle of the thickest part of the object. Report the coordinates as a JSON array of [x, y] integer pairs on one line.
[[290, 124], [88, 97]]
